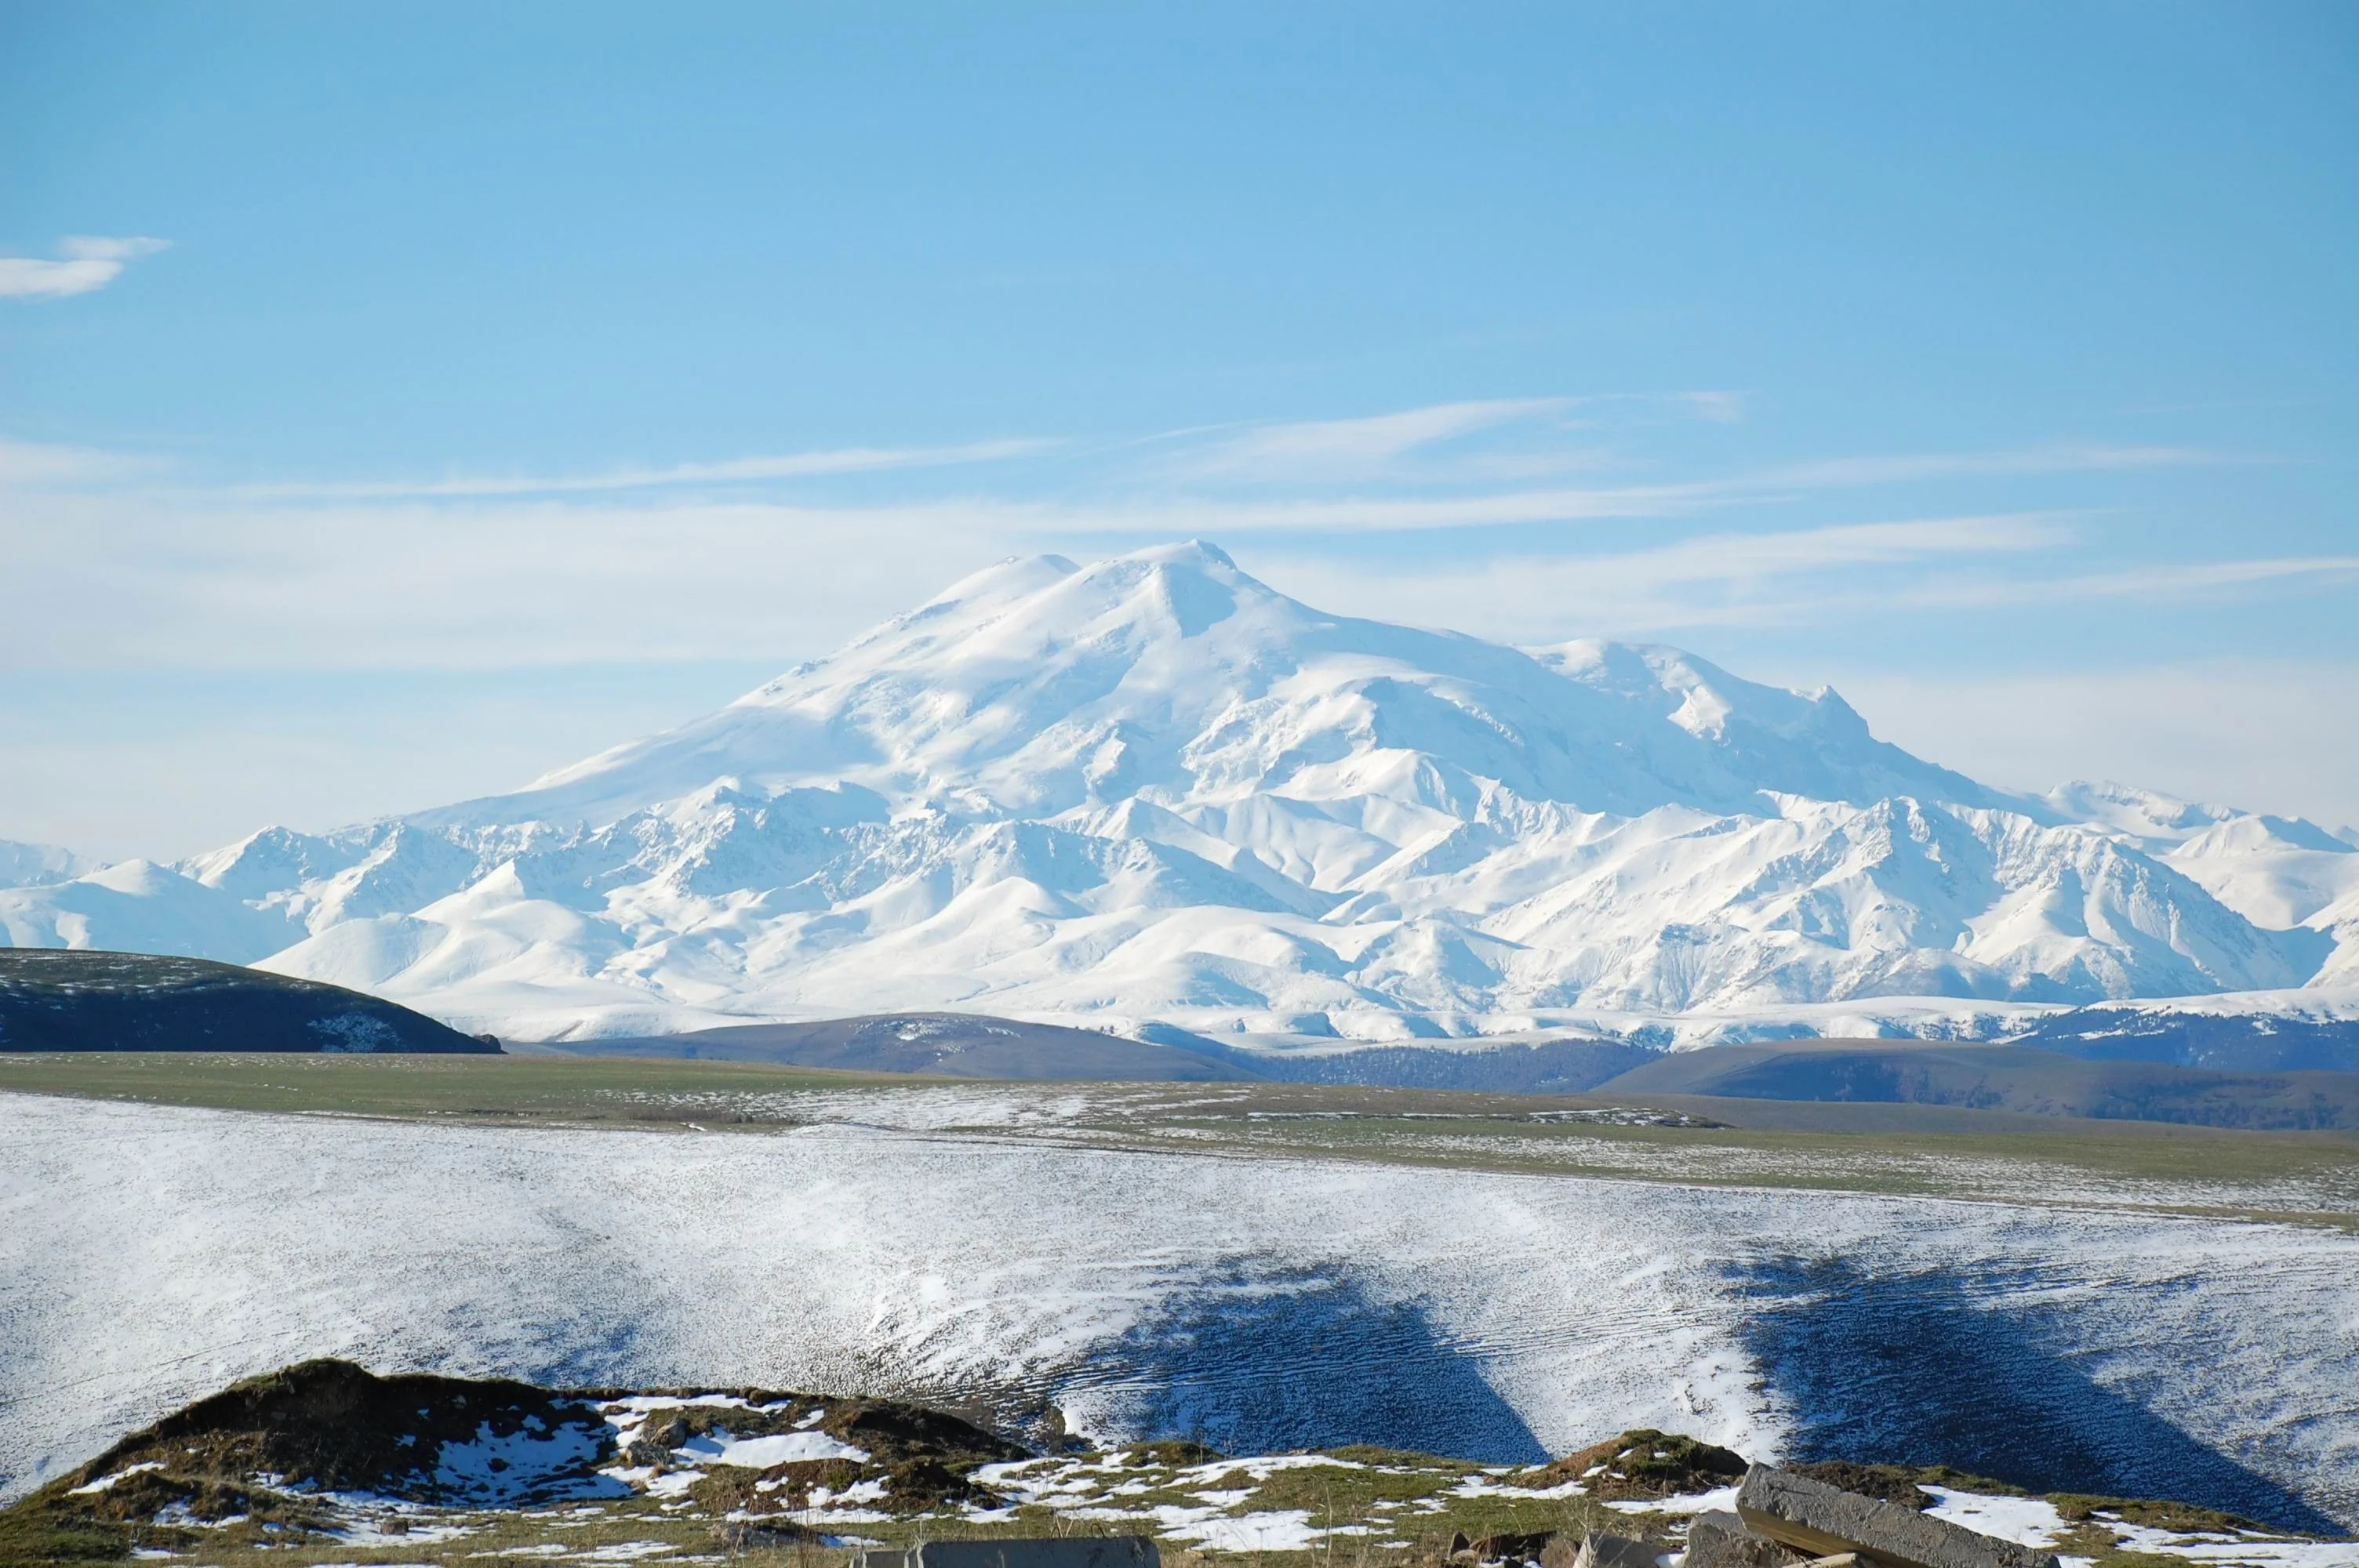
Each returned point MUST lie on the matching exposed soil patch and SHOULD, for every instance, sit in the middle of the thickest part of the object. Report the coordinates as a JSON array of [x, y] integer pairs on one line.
[[1887, 1483], [1643, 1464]]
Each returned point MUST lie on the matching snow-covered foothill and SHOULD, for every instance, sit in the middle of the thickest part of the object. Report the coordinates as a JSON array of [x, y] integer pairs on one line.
[[138, 906], [152, 1254]]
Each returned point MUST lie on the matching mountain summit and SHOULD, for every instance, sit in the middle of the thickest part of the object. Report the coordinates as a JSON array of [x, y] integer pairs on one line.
[[1038, 686], [1154, 786]]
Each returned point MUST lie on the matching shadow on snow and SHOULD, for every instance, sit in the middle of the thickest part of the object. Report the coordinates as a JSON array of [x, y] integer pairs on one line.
[[1911, 1369], [1256, 1364]]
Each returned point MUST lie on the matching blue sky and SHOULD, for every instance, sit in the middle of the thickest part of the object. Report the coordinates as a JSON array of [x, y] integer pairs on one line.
[[399, 401]]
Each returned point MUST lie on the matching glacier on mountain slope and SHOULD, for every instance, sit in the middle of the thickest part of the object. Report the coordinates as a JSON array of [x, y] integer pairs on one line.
[[1155, 788]]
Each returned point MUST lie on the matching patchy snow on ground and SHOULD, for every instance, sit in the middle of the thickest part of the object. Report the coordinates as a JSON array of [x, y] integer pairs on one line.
[[1282, 1530], [496, 1471], [761, 1452], [1720, 1498], [149, 1255], [2033, 1521], [107, 1483], [2234, 1551]]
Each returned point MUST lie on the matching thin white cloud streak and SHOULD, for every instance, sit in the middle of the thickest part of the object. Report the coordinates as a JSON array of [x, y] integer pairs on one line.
[[98, 569], [738, 470], [1339, 445], [510, 585], [92, 261], [1618, 502], [2064, 459], [1354, 448], [1390, 515], [2157, 583], [89, 581], [1720, 407], [101, 247], [25, 277], [2266, 735], [27, 464], [1399, 445], [1770, 579], [1710, 579]]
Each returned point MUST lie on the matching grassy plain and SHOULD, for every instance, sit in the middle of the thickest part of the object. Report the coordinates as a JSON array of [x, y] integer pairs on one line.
[[564, 1090], [2307, 1177]]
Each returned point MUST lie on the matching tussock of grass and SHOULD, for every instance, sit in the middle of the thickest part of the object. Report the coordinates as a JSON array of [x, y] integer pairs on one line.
[[1643, 1464], [2183, 1517], [233, 1482]]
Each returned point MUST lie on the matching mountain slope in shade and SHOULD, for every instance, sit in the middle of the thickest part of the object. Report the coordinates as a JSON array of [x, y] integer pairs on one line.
[[1155, 788]]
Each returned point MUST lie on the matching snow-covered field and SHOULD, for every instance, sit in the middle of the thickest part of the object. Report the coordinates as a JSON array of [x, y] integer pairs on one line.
[[148, 1254]]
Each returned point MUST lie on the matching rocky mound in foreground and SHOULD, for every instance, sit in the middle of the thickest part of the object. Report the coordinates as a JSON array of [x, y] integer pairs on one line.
[[78, 1000], [326, 1461]]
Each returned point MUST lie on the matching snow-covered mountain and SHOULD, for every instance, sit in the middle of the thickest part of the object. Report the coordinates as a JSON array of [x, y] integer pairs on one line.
[[1155, 788], [36, 865]]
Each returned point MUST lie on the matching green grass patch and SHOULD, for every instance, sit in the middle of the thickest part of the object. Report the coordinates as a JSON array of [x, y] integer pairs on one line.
[[514, 1090]]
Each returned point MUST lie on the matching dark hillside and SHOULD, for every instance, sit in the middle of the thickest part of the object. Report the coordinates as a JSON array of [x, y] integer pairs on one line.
[[2000, 1078], [942, 1044], [1567, 1066], [971, 1045], [2235, 1043], [56, 1000]]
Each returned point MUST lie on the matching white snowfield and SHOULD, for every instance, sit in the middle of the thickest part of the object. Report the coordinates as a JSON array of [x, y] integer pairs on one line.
[[1155, 788], [149, 1255]]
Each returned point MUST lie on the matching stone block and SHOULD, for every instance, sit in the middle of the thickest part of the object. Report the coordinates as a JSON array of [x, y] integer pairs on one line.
[[1599, 1550], [1826, 1521], [1718, 1540]]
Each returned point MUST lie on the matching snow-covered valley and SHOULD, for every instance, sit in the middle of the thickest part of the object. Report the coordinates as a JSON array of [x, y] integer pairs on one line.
[[149, 1254], [1155, 788]]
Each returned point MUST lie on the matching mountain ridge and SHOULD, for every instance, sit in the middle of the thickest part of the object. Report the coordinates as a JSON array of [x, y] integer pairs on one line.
[[1155, 788]]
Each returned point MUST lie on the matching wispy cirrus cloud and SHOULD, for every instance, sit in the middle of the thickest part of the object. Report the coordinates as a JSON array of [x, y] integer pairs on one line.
[[2071, 457], [37, 463], [84, 263], [736, 471], [1408, 471], [1709, 579], [1783, 577], [1372, 511], [524, 569], [2157, 583], [1313, 450], [1474, 440]]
